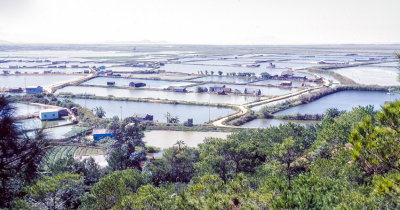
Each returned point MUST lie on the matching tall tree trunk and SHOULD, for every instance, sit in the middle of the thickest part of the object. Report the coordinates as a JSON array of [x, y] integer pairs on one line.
[[288, 175]]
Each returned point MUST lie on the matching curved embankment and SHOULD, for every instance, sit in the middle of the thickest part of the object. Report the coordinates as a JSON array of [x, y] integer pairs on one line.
[[53, 88], [243, 108]]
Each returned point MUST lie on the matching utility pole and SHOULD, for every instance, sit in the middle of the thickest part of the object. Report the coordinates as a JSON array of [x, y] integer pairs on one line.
[[121, 111]]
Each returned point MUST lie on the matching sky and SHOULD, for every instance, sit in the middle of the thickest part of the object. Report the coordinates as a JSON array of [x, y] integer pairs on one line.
[[201, 21]]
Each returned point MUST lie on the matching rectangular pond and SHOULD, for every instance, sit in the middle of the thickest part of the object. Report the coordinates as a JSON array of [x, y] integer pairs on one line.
[[166, 139], [126, 81], [266, 123], [369, 75], [13, 81], [26, 109], [344, 100], [154, 94], [35, 123], [200, 114]]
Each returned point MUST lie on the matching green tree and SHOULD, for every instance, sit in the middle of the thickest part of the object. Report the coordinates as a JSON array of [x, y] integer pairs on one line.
[[89, 169], [54, 192], [111, 189], [181, 144], [265, 75], [99, 112], [175, 166], [20, 155], [128, 150], [287, 152], [149, 197], [377, 150]]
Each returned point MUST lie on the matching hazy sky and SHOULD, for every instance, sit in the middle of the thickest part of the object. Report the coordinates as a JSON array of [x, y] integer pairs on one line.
[[201, 21]]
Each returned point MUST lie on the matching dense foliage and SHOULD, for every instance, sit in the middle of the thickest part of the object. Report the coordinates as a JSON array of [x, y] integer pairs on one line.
[[350, 160]]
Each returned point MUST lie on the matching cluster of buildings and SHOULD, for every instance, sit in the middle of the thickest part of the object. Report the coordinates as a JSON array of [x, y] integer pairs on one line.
[[223, 90], [29, 89], [177, 89]]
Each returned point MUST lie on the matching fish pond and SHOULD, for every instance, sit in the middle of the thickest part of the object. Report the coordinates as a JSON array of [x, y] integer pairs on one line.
[[154, 94], [200, 114], [126, 81], [344, 100], [166, 139], [13, 81], [266, 123]]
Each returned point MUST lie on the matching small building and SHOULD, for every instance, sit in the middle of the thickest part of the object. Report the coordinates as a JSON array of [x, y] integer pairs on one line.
[[15, 90], [227, 90], [110, 83], [221, 92], [48, 114], [286, 83], [216, 88], [256, 92], [143, 117], [137, 84], [201, 89], [99, 134], [236, 91], [13, 67], [32, 89], [63, 112], [100, 68], [180, 89]]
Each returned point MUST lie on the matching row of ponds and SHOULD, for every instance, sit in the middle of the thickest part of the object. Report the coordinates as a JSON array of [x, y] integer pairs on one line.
[[344, 100]]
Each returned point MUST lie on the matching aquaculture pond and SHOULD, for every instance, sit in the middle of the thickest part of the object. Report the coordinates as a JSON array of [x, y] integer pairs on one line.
[[34, 80], [154, 94], [57, 132], [369, 75], [266, 123], [344, 100], [200, 114], [195, 69], [126, 81], [166, 139], [26, 109], [36, 123]]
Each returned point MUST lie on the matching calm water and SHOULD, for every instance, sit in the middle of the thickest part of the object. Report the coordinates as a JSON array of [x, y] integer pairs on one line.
[[344, 100], [34, 80], [35, 123], [25, 109], [166, 139], [126, 81], [59, 132], [200, 114], [266, 123], [55, 133], [369, 75], [194, 97]]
